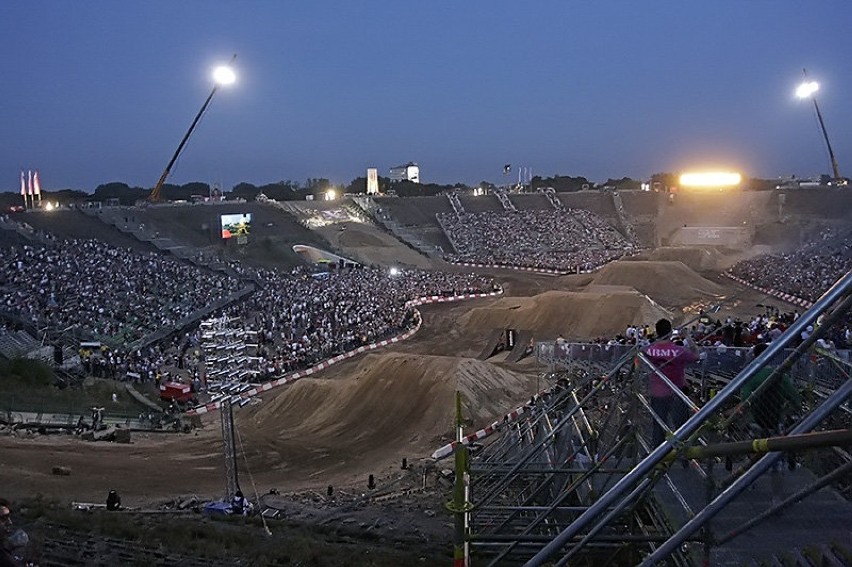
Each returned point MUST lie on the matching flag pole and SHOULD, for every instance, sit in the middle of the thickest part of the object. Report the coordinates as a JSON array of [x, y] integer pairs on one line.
[[23, 189], [37, 187], [30, 189]]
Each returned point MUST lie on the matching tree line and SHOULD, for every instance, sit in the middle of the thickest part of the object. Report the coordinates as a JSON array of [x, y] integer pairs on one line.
[[290, 190]]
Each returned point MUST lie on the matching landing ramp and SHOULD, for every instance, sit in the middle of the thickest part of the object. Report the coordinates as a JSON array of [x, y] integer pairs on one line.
[[522, 346], [494, 344]]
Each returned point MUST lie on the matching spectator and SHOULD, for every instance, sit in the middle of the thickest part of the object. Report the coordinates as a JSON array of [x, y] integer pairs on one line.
[[568, 240], [773, 403], [240, 505], [671, 359]]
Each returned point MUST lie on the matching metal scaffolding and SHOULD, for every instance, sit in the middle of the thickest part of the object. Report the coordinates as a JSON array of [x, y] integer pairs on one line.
[[578, 478]]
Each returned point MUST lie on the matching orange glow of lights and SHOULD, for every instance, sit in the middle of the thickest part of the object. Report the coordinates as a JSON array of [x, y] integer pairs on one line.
[[713, 179]]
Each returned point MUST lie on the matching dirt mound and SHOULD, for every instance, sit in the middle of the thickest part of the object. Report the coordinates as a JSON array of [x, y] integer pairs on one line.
[[700, 259], [388, 406], [584, 315], [669, 283]]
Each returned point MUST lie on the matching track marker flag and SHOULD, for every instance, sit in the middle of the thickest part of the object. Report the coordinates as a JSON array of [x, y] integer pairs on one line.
[[36, 185], [23, 184], [30, 181]]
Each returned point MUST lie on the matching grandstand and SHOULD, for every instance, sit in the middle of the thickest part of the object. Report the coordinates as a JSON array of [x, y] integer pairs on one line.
[[599, 202], [481, 204], [530, 201]]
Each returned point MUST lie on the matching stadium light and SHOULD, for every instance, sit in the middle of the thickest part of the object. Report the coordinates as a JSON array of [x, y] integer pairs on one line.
[[394, 271], [222, 75], [713, 179], [807, 90]]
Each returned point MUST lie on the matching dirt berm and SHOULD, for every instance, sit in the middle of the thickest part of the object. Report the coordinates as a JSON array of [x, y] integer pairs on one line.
[[667, 283], [698, 258], [570, 314], [390, 406]]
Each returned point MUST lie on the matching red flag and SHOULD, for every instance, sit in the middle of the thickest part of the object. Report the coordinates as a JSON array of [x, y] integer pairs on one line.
[[23, 184], [36, 185], [30, 181]]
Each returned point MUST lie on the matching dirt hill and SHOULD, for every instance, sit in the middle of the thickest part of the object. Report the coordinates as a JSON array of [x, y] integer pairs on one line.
[[388, 406], [668, 283], [698, 258], [577, 315]]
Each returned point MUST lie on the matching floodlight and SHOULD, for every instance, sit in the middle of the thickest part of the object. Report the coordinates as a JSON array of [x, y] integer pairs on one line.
[[224, 75], [711, 179], [807, 89]]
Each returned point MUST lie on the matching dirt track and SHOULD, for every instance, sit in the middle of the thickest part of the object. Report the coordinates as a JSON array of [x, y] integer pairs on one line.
[[364, 415]]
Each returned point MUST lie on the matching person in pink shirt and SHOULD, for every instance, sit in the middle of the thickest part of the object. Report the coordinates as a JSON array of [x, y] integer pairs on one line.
[[671, 359]]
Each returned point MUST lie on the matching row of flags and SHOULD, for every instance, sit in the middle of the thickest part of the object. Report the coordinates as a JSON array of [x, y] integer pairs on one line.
[[30, 185]]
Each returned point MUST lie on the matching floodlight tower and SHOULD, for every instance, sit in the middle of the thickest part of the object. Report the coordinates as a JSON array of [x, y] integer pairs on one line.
[[222, 75], [807, 90]]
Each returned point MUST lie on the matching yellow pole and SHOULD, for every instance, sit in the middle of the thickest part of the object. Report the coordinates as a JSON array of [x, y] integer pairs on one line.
[[459, 507]]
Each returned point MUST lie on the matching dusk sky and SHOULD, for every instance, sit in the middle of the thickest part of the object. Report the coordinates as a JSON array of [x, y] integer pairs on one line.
[[101, 91]]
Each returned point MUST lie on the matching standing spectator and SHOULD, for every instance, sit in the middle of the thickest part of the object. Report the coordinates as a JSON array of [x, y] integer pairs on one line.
[[671, 359], [770, 406]]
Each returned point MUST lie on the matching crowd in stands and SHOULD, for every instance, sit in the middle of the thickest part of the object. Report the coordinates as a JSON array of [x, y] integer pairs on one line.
[[734, 332], [805, 273], [569, 240], [301, 316], [109, 293]]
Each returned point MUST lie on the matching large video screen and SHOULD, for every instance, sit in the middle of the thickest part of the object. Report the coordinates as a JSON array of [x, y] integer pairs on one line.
[[235, 224]]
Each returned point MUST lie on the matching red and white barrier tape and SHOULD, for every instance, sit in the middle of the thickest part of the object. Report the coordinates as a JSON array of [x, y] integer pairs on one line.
[[773, 292]]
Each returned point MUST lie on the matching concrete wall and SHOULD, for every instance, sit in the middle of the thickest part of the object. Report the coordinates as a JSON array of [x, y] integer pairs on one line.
[[728, 236]]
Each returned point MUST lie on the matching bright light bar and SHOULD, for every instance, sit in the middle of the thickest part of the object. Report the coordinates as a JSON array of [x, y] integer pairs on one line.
[[711, 179], [806, 90]]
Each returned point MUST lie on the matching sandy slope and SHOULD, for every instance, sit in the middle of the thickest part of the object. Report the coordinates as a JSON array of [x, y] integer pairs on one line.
[[668, 283], [573, 315]]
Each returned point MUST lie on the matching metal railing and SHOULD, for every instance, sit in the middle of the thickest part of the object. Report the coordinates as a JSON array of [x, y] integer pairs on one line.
[[609, 467]]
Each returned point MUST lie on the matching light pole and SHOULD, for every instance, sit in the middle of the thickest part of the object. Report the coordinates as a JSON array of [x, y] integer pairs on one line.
[[223, 75], [807, 90]]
